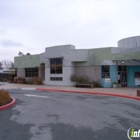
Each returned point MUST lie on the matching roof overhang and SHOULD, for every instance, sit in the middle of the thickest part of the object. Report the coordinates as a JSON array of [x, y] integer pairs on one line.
[[56, 57]]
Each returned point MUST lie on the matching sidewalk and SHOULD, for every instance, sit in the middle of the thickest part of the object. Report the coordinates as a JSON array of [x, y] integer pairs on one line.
[[122, 91]]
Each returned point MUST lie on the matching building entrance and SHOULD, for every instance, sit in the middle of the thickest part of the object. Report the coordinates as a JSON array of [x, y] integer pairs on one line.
[[122, 76]]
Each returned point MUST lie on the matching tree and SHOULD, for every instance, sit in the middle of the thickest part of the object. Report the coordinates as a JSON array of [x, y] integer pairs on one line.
[[21, 54], [28, 54], [0, 65], [6, 64]]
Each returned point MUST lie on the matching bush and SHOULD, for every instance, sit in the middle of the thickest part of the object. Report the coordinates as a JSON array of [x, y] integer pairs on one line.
[[80, 79], [84, 80], [21, 80], [96, 83], [11, 79], [35, 81], [4, 97]]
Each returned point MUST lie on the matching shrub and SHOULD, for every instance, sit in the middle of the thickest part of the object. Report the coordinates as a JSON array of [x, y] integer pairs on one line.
[[11, 79], [20, 80], [115, 83], [80, 79], [4, 97], [35, 81], [96, 83], [29, 81], [73, 78]]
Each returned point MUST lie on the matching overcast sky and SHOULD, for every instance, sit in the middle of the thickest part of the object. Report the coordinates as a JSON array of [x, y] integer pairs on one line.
[[32, 25]]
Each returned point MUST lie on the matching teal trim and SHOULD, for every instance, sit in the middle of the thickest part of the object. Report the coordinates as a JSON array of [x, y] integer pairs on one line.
[[131, 75], [113, 77]]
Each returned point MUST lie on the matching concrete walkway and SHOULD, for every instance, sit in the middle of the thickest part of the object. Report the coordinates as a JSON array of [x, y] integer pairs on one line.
[[122, 91]]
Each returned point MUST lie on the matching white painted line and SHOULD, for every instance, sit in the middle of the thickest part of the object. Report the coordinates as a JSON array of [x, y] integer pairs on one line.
[[28, 88], [35, 96]]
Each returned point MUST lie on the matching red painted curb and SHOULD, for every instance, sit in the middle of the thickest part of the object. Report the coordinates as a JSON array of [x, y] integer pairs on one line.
[[8, 105], [87, 92]]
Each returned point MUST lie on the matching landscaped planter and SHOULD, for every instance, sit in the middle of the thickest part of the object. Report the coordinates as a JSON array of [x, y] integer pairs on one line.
[[115, 85], [8, 105]]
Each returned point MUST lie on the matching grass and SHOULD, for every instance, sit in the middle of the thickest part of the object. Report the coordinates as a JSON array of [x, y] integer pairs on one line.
[[4, 97]]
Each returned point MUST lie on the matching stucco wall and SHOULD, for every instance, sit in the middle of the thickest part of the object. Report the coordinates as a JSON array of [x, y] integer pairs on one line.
[[67, 72], [113, 77], [130, 42], [27, 61], [130, 75], [21, 72], [64, 52], [125, 53], [92, 72]]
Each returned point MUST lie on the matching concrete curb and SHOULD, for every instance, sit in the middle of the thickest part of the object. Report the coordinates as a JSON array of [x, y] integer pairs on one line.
[[27, 88], [87, 92], [8, 105]]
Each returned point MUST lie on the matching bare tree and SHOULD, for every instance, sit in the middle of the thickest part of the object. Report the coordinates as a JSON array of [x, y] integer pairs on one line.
[[21, 54], [0, 65], [28, 54], [6, 64]]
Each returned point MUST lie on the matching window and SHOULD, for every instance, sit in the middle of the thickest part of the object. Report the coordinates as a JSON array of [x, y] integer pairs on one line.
[[56, 66], [56, 78], [105, 72], [137, 74], [31, 72]]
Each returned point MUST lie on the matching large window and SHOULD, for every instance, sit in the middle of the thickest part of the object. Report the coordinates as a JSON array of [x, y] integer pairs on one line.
[[56, 66], [105, 72], [31, 72]]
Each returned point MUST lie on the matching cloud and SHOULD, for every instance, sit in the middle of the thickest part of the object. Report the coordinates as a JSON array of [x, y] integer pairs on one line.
[[83, 23], [10, 43]]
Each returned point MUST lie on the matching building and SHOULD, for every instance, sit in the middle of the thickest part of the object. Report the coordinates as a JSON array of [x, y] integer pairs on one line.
[[6, 74], [55, 66]]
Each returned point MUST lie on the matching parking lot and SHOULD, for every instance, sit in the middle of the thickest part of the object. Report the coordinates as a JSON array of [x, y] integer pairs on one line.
[[64, 116]]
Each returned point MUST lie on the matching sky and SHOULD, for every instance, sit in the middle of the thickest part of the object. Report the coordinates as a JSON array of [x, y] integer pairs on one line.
[[29, 26]]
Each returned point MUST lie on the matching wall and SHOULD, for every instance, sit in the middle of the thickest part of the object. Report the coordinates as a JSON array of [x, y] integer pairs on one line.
[[130, 42], [113, 77], [125, 53], [68, 55], [27, 61], [130, 75], [67, 72], [79, 55], [92, 72], [42, 58], [21, 72]]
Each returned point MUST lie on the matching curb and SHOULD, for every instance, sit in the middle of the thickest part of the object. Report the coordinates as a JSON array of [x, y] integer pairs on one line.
[[8, 105], [27, 88], [87, 92]]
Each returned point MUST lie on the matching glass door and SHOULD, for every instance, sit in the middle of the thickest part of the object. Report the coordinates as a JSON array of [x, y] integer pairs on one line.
[[123, 79], [122, 76]]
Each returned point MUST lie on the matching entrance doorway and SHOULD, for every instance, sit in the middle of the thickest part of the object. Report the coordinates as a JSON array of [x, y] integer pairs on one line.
[[122, 76]]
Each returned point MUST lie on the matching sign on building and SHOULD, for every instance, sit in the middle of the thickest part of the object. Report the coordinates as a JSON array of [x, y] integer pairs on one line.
[[137, 78], [107, 80]]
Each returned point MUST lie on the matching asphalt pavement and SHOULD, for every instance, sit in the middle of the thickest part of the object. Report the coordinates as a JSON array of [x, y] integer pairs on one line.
[[63, 116]]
